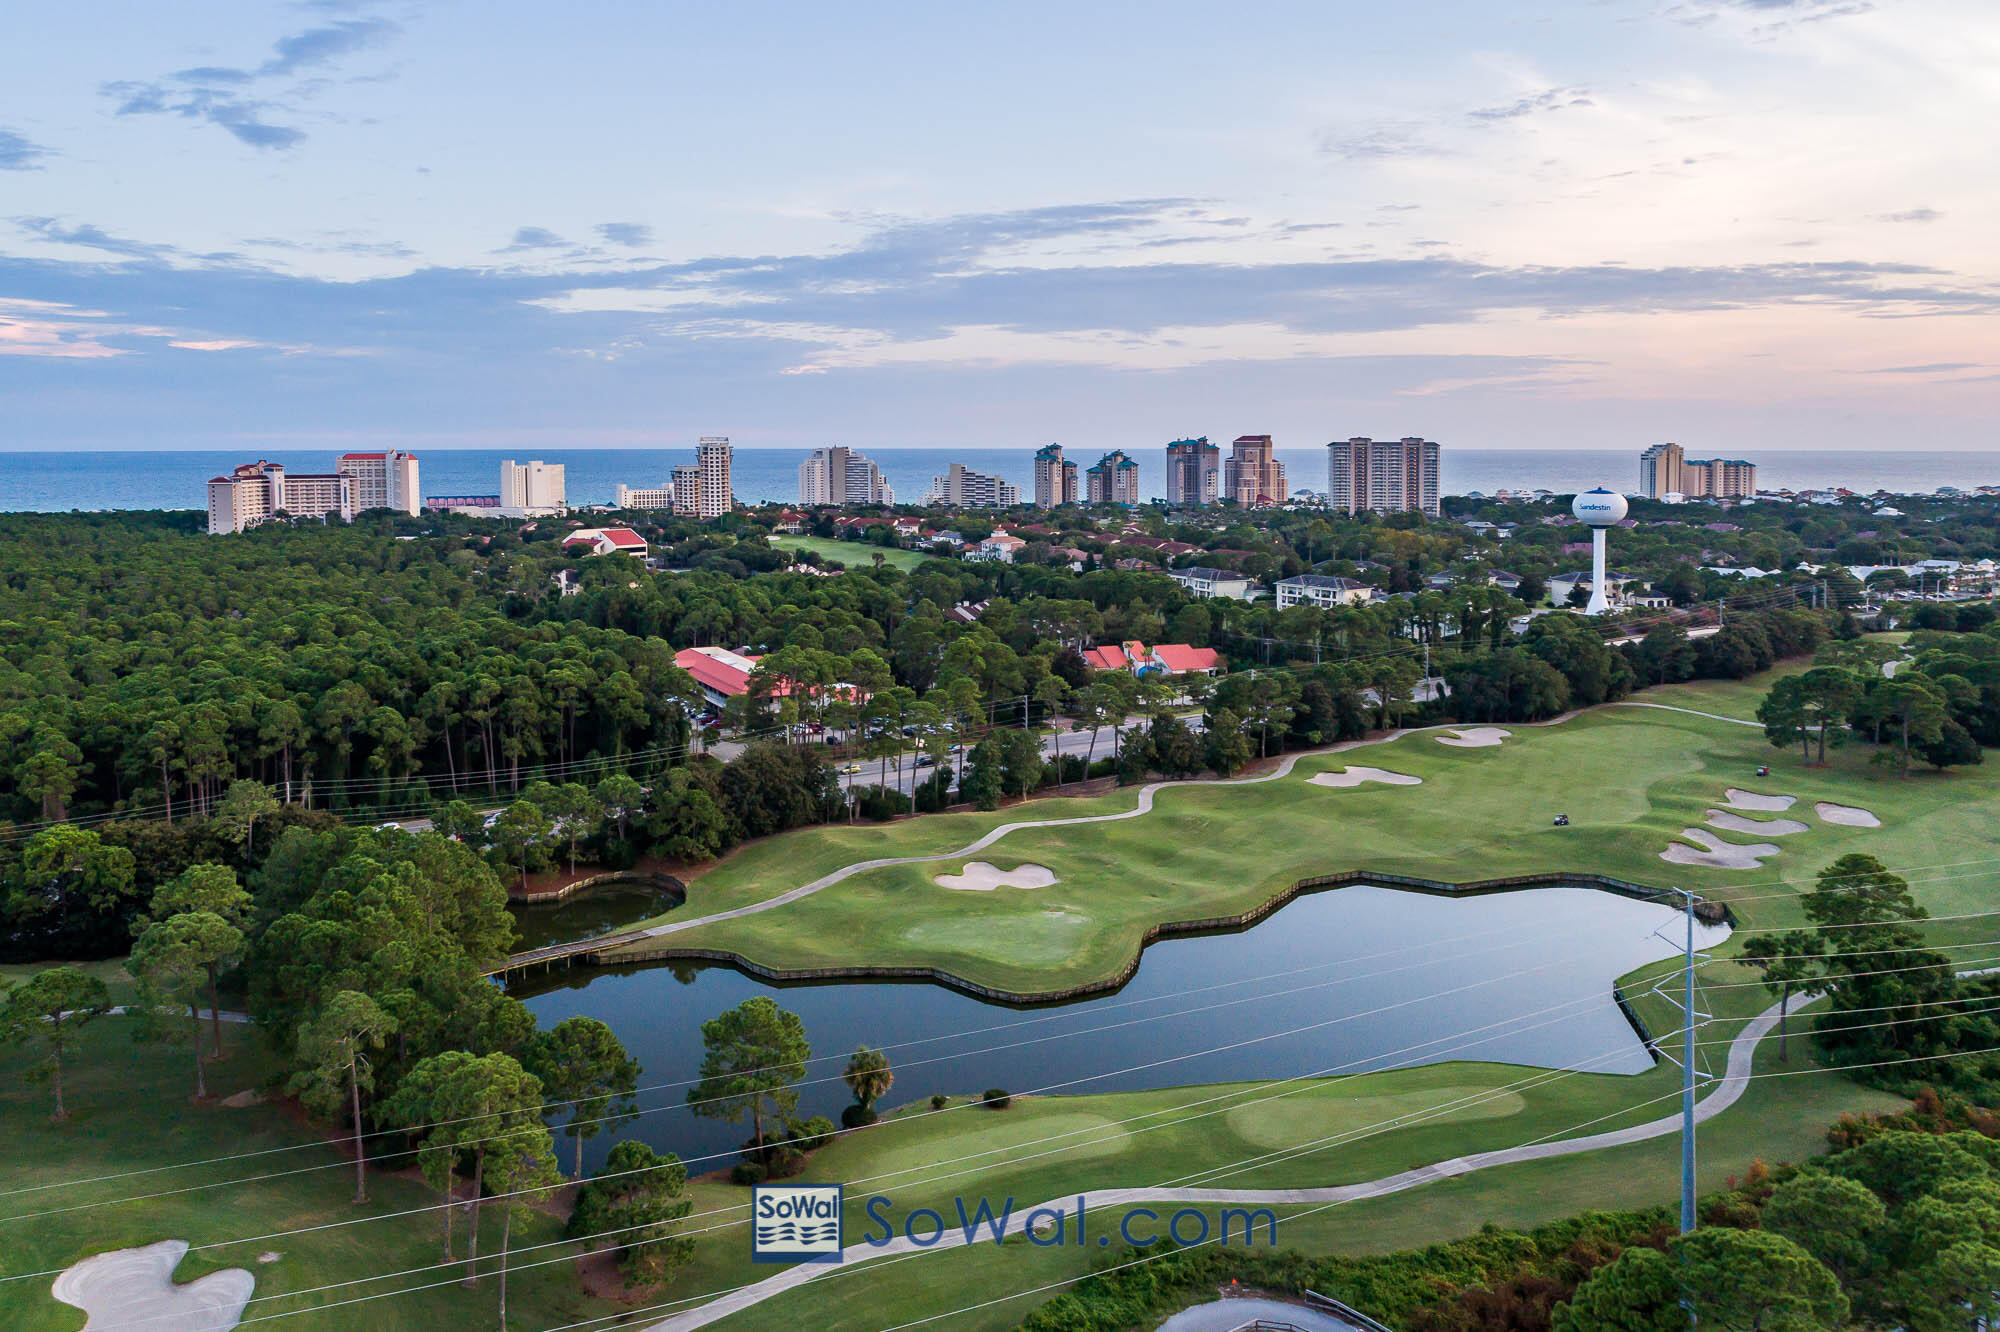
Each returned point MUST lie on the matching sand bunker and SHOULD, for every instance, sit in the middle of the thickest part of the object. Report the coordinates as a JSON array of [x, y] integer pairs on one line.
[[1849, 816], [1740, 799], [1474, 737], [1719, 854], [135, 1288], [1356, 776], [980, 877], [1728, 822]]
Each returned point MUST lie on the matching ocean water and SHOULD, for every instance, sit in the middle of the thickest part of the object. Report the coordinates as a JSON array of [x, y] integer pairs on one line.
[[58, 482]]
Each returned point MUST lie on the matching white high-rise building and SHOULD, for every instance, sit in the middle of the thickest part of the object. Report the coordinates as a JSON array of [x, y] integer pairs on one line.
[[643, 497], [382, 480], [1382, 475], [963, 488], [685, 486], [712, 460], [840, 476], [531, 487], [257, 492]]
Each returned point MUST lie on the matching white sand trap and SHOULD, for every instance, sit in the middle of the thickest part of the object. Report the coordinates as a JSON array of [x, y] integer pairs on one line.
[[980, 877], [1723, 819], [1475, 737], [1357, 775], [135, 1288], [1736, 798], [1720, 854], [1849, 816]]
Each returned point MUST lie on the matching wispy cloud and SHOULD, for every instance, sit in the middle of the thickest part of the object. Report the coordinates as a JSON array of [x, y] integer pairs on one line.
[[1549, 99], [18, 153], [632, 235], [1911, 215], [219, 95], [532, 238]]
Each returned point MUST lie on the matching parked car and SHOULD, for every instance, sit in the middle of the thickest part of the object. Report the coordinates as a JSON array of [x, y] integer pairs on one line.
[[850, 768], [926, 761]]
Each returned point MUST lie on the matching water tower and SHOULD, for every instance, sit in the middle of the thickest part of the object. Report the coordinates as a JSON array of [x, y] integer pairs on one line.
[[1599, 508]]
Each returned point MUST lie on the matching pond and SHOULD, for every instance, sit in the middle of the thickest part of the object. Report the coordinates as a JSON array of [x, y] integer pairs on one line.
[[1343, 981], [590, 913]]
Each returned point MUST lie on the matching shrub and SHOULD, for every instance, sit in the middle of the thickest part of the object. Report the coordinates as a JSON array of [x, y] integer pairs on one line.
[[811, 1134], [747, 1172], [858, 1116], [995, 1098], [784, 1162], [881, 804], [940, 1101]]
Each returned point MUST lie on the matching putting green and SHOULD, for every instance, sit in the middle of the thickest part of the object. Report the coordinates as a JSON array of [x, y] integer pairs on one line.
[[1324, 1112]]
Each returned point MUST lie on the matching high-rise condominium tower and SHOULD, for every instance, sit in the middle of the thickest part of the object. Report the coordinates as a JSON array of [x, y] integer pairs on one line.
[[531, 485], [963, 488], [1253, 475], [712, 459], [1055, 479], [382, 480], [841, 476], [258, 492], [1665, 469], [1112, 479], [1382, 475], [1194, 472]]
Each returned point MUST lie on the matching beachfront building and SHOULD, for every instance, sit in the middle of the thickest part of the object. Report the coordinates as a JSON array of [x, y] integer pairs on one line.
[[1202, 581], [840, 477], [1382, 475], [713, 495], [258, 492], [963, 488], [1194, 472], [1112, 479], [1055, 478], [1253, 475], [531, 488], [382, 480], [1665, 471], [644, 497], [1322, 590]]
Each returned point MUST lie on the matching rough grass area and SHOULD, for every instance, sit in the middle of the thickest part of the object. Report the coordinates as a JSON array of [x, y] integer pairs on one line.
[[130, 1112]]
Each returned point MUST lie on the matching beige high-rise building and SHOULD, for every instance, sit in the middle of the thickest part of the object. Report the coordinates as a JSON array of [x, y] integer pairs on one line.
[[963, 488], [1055, 478], [531, 487], [712, 457], [1665, 469], [1253, 475], [1194, 472], [1112, 479], [1366, 475], [258, 492], [685, 486], [840, 476], [382, 480]]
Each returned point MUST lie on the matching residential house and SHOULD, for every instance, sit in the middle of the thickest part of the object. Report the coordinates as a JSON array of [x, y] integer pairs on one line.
[[1202, 581], [1322, 590], [607, 541]]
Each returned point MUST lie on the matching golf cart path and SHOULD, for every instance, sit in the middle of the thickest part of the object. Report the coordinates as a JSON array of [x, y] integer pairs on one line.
[[1144, 807], [1726, 1092]]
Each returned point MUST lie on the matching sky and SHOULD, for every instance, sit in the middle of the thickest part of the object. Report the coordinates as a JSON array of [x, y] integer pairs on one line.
[[1731, 223]]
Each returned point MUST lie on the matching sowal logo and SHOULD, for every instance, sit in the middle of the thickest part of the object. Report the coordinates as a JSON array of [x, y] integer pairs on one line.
[[795, 1223]]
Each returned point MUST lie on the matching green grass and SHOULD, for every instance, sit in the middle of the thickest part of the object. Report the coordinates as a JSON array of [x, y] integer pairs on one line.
[[110, 970], [1631, 779], [130, 1111], [1728, 698], [853, 554]]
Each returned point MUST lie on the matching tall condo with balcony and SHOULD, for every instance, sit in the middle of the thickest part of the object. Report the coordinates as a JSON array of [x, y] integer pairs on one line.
[[712, 455], [1055, 478], [840, 476], [1112, 479], [1253, 475], [1665, 469], [963, 488], [382, 480], [258, 492], [1194, 472], [531, 487], [1382, 475]]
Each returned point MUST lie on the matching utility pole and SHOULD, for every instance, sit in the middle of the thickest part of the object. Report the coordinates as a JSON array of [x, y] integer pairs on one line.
[[1687, 1071]]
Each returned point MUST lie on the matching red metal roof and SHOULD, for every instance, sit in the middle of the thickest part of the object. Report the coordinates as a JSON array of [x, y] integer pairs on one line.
[[1110, 657], [377, 457], [1180, 657], [720, 676]]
